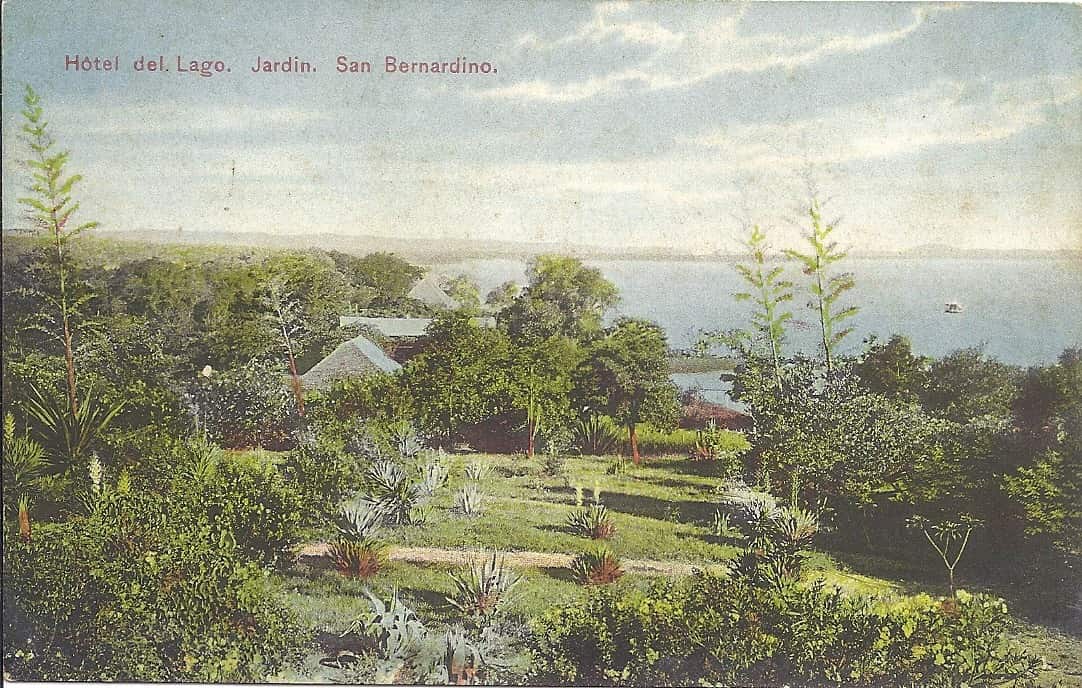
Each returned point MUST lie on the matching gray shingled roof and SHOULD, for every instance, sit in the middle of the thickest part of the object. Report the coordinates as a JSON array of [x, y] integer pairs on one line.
[[402, 327], [428, 290], [359, 357]]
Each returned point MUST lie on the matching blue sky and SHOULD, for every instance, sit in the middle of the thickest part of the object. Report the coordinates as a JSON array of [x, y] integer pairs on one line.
[[635, 124]]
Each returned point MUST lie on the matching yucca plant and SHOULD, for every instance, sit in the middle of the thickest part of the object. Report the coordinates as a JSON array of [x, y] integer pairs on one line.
[[392, 494], [394, 626], [70, 436], [359, 521], [470, 501], [358, 558], [593, 522], [597, 436], [477, 471], [596, 567], [484, 587]]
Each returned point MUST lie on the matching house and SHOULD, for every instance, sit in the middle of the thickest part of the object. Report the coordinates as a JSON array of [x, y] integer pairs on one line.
[[429, 292], [358, 357], [399, 328]]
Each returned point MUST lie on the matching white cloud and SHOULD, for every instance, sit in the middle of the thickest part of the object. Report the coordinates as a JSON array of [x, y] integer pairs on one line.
[[682, 59]]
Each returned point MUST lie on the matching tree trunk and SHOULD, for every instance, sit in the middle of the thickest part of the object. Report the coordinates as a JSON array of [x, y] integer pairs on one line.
[[298, 389], [633, 438], [69, 361], [24, 523], [531, 430]]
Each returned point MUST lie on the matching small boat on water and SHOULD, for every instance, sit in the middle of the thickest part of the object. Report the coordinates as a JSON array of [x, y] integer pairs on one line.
[[953, 307]]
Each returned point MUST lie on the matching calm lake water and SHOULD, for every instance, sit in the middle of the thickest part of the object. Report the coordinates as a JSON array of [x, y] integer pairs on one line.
[[1023, 311]]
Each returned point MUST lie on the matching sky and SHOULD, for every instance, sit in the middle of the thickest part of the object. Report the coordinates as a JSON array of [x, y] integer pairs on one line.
[[630, 124]]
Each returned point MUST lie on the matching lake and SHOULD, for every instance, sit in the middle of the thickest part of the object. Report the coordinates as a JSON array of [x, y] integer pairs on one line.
[[1022, 311]]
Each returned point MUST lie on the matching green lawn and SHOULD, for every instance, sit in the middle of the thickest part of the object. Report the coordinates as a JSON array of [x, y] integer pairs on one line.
[[662, 510]]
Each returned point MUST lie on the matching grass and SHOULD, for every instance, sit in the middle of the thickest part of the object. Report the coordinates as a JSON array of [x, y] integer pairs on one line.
[[662, 511]]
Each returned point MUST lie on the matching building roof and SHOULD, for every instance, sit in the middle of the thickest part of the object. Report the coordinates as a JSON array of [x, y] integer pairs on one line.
[[359, 357], [402, 327], [428, 291]]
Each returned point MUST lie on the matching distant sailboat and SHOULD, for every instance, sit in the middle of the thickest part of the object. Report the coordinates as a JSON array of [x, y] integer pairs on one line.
[[953, 307]]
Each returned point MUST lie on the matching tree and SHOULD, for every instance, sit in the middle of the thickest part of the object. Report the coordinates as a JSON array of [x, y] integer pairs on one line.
[[826, 287], [459, 376], [625, 375], [464, 290], [948, 538], [502, 296], [51, 209], [388, 275], [283, 311], [768, 292], [966, 384], [541, 382], [563, 297], [892, 370]]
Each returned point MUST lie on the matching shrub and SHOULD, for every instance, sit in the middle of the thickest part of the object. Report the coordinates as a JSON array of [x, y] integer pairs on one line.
[[147, 588], [593, 522], [619, 465], [470, 501], [717, 631], [724, 446], [320, 472], [596, 567], [358, 558], [392, 494], [484, 588], [249, 406], [431, 477]]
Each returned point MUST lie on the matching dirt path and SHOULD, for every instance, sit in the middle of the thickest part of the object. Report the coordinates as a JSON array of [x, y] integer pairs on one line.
[[312, 553]]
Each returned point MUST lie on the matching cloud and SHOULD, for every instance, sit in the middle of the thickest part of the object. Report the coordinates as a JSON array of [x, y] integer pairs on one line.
[[681, 59], [941, 114]]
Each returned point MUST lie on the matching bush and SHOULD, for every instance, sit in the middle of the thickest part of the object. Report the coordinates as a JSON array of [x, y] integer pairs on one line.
[[597, 435], [358, 558], [250, 406], [714, 630], [596, 567], [470, 501], [320, 473], [145, 589], [484, 588], [593, 522]]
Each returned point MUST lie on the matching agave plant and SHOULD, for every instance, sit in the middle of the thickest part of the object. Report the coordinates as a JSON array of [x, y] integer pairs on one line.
[[596, 567], [592, 522], [431, 477], [394, 626], [470, 501], [478, 471], [358, 558], [360, 521], [461, 658], [484, 587]]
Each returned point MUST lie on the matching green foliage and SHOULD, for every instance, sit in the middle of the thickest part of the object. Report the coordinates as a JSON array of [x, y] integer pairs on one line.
[[540, 375], [826, 287], [147, 588], [596, 435], [948, 539], [966, 384], [592, 522], [715, 631], [563, 298], [470, 500], [598, 566], [25, 464], [68, 436], [393, 495], [892, 370], [484, 588], [320, 472], [249, 406], [768, 292], [723, 446]]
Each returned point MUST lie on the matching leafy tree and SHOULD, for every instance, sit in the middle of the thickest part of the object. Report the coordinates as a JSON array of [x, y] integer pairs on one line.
[[891, 369], [563, 297], [464, 289], [826, 286], [966, 384], [625, 375], [389, 276], [541, 382], [459, 376], [502, 296], [768, 293], [948, 538], [51, 209]]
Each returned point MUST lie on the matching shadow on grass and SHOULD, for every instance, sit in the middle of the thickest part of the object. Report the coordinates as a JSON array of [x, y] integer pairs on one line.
[[683, 512], [559, 573]]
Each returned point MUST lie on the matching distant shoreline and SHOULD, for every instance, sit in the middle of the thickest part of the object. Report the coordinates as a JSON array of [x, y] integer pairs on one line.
[[431, 252]]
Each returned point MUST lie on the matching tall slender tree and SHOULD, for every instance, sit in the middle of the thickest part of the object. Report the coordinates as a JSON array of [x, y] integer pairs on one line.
[[50, 208], [768, 291], [826, 285], [284, 312]]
